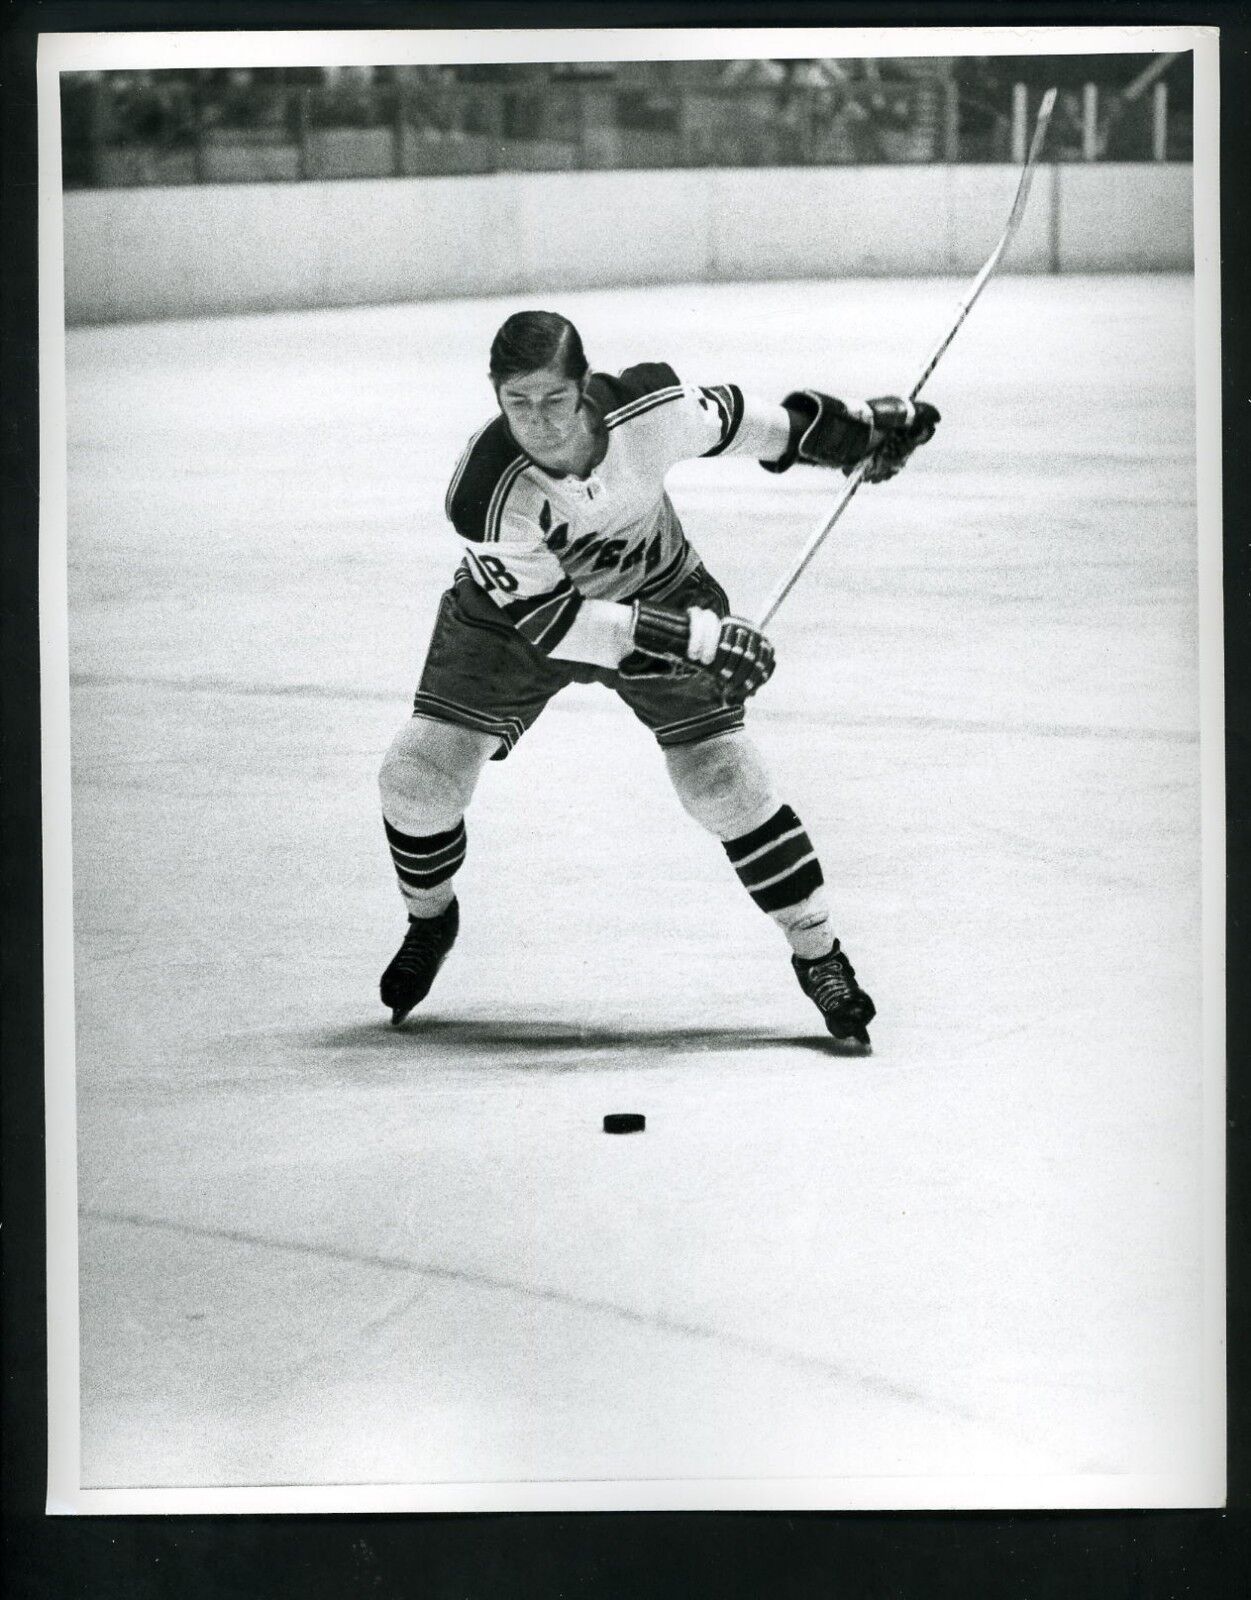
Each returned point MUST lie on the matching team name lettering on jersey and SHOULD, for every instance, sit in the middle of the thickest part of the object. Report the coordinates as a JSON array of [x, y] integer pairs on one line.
[[554, 539]]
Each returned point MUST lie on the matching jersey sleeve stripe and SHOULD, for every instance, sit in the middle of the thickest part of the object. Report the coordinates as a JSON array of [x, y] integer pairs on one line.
[[547, 637], [659, 579], [636, 408], [728, 399], [519, 610], [545, 619]]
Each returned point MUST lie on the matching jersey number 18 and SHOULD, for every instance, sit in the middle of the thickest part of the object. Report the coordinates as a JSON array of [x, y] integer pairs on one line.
[[494, 574]]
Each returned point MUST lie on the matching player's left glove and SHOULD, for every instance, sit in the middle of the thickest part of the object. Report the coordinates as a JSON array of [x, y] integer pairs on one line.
[[826, 432], [736, 656]]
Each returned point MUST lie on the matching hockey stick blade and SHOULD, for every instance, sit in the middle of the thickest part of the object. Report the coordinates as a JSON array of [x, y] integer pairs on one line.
[[817, 538]]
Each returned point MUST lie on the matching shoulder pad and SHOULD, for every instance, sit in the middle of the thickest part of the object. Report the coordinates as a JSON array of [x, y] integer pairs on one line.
[[483, 476], [649, 377]]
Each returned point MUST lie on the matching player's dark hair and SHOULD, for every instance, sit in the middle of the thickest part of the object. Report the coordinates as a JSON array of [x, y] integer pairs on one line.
[[533, 339]]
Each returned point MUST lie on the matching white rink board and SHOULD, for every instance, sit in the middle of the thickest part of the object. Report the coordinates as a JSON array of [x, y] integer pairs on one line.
[[319, 1251], [181, 252]]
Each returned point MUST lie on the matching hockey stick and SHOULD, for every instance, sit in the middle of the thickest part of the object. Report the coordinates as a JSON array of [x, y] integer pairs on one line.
[[817, 538]]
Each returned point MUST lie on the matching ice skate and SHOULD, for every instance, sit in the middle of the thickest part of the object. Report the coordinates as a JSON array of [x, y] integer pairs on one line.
[[407, 981], [830, 983]]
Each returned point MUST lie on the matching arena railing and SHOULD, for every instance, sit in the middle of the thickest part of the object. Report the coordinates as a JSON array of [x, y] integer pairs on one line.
[[124, 130]]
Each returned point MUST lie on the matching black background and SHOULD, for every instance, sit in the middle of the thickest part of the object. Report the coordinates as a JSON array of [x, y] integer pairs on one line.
[[886, 1556]]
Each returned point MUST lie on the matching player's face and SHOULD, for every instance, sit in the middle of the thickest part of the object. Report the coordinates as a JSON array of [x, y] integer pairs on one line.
[[541, 408]]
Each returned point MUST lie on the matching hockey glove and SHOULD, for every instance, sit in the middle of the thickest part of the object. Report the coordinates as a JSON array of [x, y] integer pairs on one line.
[[736, 656], [900, 427], [826, 432]]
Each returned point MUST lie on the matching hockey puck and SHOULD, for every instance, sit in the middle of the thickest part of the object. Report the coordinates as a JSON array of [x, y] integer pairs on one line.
[[624, 1122]]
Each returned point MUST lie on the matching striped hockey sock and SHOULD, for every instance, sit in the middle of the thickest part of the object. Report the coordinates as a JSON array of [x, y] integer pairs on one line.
[[425, 865], [778, 867]]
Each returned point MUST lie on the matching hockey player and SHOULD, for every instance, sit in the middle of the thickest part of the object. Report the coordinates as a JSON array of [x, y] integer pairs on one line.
[[576, 570]]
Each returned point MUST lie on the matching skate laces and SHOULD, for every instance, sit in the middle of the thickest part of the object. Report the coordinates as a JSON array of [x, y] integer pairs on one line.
[[831, 980], [422, 944]]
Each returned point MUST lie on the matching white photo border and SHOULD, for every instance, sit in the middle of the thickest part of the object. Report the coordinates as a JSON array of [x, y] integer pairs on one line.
[[62, 52]]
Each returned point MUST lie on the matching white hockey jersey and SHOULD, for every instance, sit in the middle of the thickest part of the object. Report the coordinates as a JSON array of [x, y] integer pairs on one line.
[[541, 543]]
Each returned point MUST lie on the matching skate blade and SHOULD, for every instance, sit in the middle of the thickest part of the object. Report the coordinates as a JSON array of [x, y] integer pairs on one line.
[[852, 1044]]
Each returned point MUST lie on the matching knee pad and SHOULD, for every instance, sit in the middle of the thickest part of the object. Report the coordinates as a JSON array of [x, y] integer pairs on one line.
[[429, 774], [723, 783]]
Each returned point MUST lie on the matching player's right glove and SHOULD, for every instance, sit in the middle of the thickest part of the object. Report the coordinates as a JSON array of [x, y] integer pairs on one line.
[[826, 432], [736, 656]]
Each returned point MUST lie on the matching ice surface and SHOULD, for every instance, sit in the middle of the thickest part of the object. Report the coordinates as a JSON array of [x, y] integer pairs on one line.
[[319, 1250]]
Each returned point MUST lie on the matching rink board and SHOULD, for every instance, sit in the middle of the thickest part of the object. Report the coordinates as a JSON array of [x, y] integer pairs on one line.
[[207, 249]]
